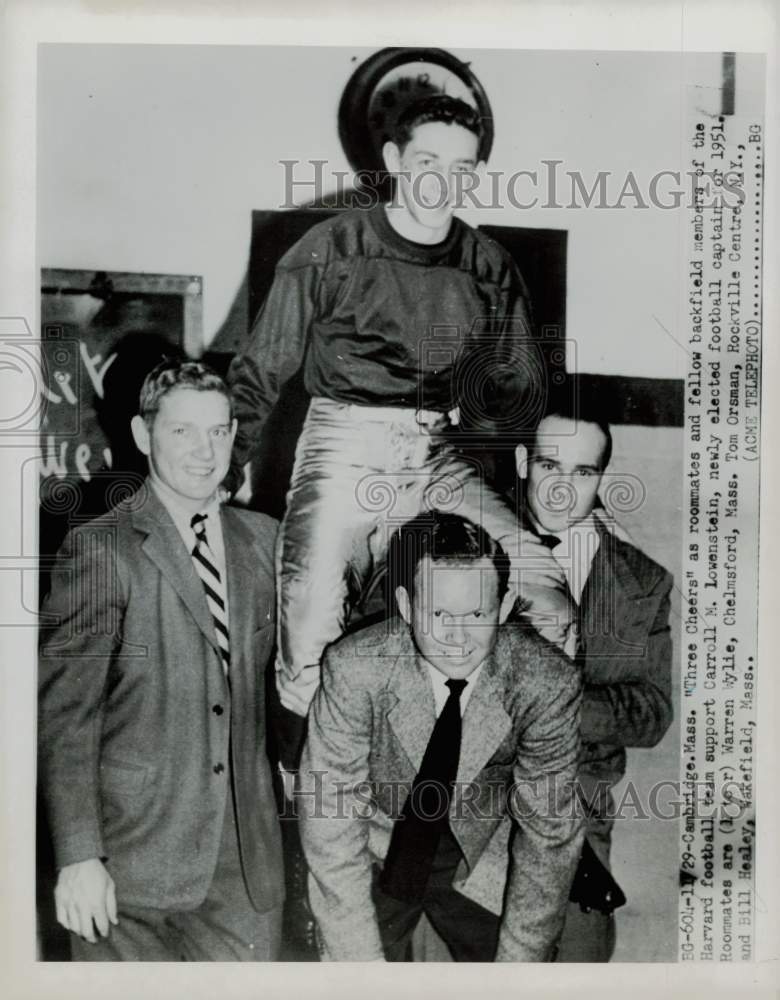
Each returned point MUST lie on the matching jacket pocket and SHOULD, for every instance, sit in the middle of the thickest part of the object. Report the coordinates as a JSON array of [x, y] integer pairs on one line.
[[122, 778]]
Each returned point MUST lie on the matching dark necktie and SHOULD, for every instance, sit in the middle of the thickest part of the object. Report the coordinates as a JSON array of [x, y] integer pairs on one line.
[[425, 815], [206, 568], [550, 541]]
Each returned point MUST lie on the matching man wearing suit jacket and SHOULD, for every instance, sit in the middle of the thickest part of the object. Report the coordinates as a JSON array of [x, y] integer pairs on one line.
[[445, 704], [152, 763], [624, 644]]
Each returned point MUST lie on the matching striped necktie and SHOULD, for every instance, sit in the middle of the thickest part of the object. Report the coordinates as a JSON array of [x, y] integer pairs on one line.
[[205, 565]]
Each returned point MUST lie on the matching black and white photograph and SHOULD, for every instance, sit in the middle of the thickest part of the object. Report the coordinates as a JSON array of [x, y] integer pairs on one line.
[[390, 507]]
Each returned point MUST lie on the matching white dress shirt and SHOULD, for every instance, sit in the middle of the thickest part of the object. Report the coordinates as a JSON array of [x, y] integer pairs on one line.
[[576, 551], [441, 692]]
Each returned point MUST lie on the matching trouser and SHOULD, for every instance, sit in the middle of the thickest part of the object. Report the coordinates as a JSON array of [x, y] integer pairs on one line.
[[586, 937], [469, 930], [359, 474], [590, 937], [224, 928]]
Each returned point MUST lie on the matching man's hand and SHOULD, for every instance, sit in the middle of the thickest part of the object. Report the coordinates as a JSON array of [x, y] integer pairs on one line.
[[85, 894], [537, 566], [551, 613], [296, 694], [539, 581]]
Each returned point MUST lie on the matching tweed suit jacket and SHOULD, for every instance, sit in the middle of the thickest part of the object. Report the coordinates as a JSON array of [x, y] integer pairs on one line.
[[137, 721], [368, 730]]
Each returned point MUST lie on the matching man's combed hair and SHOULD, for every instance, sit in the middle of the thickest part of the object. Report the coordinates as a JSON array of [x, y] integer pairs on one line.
[[445, 538], [174, 374], [569, 403], [438, 108]]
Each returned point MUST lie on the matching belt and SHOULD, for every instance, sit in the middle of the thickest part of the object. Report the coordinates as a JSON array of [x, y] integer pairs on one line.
[[395, 414]]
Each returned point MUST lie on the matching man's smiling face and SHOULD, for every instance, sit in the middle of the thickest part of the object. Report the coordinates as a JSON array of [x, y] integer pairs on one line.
[[427, 168], [453, 614], [189, 443]]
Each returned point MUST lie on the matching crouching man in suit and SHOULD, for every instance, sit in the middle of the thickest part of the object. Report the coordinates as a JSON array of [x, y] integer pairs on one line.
[[152, 722], [433, 745], [623, 642]]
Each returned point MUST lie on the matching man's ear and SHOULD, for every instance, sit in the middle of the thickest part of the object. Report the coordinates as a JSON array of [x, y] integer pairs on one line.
[[391, 154], [404, 603], [507, 604], [521, 461], [233, 429], [141, 434]]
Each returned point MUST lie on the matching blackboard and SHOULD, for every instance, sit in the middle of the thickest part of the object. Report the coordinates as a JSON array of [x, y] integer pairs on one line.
[[102, 332]]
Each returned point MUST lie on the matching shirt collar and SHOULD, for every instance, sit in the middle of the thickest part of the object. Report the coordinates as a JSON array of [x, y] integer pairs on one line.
[[180, 512], [588, 523], [439, 681]]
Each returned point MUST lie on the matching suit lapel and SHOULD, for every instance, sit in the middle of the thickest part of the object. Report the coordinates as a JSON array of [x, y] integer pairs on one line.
[[485, 723], [610, 594], [593, 601], [166, 549], [413, 715], [241, 598], [239, 570]]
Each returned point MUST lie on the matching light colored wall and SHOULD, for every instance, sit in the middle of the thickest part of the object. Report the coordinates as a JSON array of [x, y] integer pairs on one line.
[[152, 158]]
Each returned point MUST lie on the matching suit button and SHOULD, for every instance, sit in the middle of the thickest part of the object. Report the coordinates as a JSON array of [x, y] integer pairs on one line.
[[219, 768], [217, 709]]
